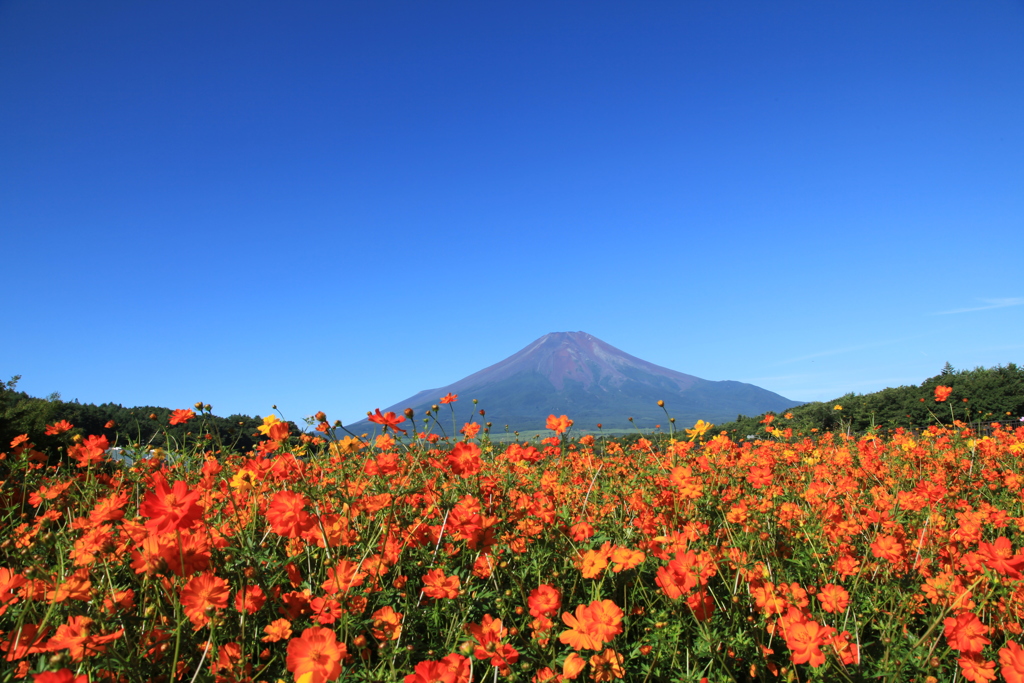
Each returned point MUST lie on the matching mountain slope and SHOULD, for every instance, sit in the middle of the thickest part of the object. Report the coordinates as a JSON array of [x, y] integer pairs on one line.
[[592, 382]]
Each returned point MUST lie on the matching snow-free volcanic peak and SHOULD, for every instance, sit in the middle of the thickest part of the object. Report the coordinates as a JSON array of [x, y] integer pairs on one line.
[[591, 381]]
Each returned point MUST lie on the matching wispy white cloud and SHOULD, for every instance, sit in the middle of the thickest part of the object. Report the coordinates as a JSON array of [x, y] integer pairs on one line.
[[989, 304], [819, 393], [845, 349], [776, 378]]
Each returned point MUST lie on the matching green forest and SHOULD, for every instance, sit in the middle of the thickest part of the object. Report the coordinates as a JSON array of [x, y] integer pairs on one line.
[[140, 425], [979, 397]]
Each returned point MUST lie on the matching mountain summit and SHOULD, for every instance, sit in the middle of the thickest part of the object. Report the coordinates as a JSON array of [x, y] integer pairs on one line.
[[579, 375]]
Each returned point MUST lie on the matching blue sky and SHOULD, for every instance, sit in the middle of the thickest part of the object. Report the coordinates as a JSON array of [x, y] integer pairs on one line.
[[332, 206]]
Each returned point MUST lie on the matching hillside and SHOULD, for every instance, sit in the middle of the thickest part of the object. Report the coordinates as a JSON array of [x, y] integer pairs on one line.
[[979, 396]]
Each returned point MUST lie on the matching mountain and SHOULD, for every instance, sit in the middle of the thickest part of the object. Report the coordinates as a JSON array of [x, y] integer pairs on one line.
[[577, 374]]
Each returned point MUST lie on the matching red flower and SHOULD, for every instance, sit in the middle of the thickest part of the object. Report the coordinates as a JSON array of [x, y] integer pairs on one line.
[[90, 451], [58, 428], [202, 596], [387, 624], [449, 398], [75, 637], [999, 557], [62, 676], [887, 548], [804, 638], [436, 585], [452, 669], [287, 514], [833, 598], [592, 625], [180, 417], [464, 459], [966, 633], [1011, 659], [388, 419], [317, 653], [942, 393], [559, 424], [170, 507], [544, 601]]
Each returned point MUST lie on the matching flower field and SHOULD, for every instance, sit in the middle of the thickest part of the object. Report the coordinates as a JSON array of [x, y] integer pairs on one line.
[[418, 557]]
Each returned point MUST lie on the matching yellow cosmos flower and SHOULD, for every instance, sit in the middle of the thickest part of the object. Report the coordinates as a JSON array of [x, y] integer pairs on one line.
[[699, 429], [268, 422]]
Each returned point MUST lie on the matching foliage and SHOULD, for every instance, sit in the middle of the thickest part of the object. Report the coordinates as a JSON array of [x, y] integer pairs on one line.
[[426, 559], [979, 397], [139, 425]]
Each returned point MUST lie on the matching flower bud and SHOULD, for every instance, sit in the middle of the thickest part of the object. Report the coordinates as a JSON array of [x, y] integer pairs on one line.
[[321, 416], [409, 413]]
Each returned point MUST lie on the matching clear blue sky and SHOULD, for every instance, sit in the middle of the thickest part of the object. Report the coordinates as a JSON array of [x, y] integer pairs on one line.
[[334, 205]]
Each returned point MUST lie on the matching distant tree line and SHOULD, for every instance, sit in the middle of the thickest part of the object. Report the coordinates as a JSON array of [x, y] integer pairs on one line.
[[139, 425], [979, 397]]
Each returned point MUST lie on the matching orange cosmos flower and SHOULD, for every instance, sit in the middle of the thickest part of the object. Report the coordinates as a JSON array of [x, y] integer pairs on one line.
[[180, 417], [977, 669], [27, 640], [170, 507], [887, 548], [999, 557], [316, 656], [965, 633], [593, 562], [470, 429], [464, 459], [90, 451], [452, 669], [62, 676], [805, 638], [58, 428], [625, 558], [559, 424], [848, 652], [388, 419], [74, 636], [833, 598], [438, 586], [202, 596], [449, 398], [250, 599], [345, 576], [678, 578], [942, 393], [324, 610], [607, 666], [544, 601], [701, 604], [387, 624], [573, 665], [1011, 660], [488, 635], [279, 629], [287, 514], [278, 431], [592, 625]]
